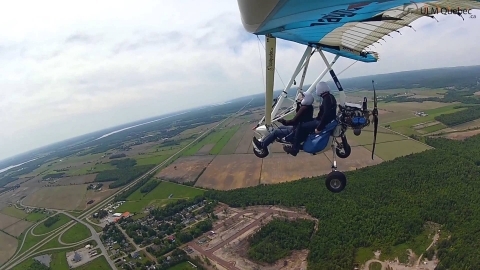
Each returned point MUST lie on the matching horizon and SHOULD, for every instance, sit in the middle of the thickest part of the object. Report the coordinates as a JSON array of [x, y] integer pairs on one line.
[[200, 107], [75, 73]]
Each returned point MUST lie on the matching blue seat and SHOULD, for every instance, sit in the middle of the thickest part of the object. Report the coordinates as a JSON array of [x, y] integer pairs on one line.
[[317, 142]]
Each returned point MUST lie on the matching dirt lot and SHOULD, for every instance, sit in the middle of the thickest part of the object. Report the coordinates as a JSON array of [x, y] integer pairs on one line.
[[187, 169], [205, 149], [7, 248], [17, 228], [228, 246], [231, 171], [6, 220], [60, 197], [234, 141]]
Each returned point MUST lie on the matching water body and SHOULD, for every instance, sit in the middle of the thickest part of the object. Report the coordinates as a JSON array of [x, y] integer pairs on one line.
[[13, 166], [116, 131]]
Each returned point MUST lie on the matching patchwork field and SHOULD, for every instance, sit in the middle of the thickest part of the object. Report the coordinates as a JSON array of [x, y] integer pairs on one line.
[[185, 169], [18, 228], [6, 221]]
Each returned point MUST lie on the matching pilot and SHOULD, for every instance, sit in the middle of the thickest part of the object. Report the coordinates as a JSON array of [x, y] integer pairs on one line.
[[327, 113], [304, 114]]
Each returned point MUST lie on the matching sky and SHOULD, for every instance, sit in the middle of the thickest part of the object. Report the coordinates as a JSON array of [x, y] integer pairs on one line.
[[72, 67]]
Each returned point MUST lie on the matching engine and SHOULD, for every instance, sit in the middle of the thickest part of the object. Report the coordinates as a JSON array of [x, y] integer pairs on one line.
[[354, 117]]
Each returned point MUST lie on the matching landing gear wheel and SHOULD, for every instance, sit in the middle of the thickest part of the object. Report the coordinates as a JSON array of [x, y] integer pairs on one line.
[[343, 152], [336, 181], [260, 153]]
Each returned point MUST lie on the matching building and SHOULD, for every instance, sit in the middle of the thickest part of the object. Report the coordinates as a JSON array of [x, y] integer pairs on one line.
[[117, 214], [76, 257]]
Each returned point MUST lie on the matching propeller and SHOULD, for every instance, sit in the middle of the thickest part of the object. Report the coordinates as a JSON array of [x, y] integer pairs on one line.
[[375, 118]]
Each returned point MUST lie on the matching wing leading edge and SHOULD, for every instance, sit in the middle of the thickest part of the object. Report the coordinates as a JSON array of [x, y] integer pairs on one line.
[[343, 27]]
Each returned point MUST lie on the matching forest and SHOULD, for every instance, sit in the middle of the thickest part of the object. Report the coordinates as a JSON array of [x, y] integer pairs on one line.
[[386, 205], [278, 238], [453, 119]]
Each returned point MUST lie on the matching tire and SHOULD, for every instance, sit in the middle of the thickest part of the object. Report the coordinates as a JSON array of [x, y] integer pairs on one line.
[[347, 150], [336, 181], [260, 153]]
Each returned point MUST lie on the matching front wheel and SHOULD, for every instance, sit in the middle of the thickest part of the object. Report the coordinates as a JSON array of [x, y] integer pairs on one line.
[[260, 153], [336, 181]]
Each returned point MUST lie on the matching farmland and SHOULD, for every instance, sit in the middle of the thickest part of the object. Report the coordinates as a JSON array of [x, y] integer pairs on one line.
[[164, 193]]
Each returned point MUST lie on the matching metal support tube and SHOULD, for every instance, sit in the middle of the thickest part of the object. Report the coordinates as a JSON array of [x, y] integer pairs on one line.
[[270, 51], [342, 98], [301, 63], [324, 72]]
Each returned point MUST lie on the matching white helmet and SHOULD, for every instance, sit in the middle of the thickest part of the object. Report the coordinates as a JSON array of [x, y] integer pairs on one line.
[[307, 99], [322, 87]]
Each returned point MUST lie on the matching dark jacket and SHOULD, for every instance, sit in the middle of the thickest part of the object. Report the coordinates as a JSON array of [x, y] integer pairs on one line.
[[328, 111], [304, 114]]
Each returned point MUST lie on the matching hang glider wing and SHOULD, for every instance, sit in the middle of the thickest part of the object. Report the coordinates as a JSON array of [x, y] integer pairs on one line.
[[343, 27]]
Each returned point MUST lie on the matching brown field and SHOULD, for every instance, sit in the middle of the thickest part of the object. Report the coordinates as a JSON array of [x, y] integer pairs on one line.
[[18, 228], [462, 135], [246, 142], [231, 171], [142, 148], [234, 141], [187, 169], [6, 221], [97, 196], [60, 197], [205, 149], [281, 167], [8, 247]]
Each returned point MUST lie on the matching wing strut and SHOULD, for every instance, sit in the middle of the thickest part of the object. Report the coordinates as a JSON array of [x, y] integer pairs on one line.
[[335, 79], [270, 51], [278, 104]]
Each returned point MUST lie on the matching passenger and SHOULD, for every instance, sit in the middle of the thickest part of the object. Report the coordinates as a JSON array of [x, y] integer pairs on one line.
[[327, 113], [304, 114]]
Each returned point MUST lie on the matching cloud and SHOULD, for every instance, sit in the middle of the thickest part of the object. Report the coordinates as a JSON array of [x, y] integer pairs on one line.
[[70, 68]]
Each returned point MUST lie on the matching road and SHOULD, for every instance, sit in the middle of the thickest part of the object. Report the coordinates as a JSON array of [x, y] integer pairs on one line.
[[103, 203]]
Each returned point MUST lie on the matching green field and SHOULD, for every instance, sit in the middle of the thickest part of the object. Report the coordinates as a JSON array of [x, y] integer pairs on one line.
[[388, 145], [375, 266], [41, 229], [158, 197], [59, 261], [405, 126], [182, 266], [75, 234], [146, 160], [433, 128], [224, 140], [216, 136], [35, 217], [14, 212]]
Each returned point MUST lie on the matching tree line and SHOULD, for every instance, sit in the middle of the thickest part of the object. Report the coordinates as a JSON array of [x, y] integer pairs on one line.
[[387, 205]]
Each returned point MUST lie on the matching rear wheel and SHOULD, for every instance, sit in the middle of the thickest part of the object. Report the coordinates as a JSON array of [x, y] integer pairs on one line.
[[336, 181], [343, 150]]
